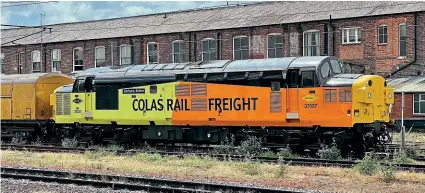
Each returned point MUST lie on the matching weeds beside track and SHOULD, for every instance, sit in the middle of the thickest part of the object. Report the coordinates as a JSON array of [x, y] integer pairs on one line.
[[292, 161], [126, 182]]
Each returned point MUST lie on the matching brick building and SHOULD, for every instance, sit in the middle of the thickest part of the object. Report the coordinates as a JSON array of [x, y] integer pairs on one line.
[[413, 88], [386, 38]]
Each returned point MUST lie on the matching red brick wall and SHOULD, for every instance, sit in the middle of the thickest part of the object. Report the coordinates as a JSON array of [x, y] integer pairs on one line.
[[375, 58], [408, 106]]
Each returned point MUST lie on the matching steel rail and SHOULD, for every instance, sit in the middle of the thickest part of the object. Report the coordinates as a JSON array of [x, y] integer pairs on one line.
[[131, 182], [221, 157]]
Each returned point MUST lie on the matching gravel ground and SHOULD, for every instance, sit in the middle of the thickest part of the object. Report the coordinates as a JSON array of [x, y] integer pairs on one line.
[[27, 186]]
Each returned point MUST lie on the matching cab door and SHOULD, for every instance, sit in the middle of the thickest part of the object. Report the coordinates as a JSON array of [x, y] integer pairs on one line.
[[78, 107], [88, 88], [309, 96], [292, 94]]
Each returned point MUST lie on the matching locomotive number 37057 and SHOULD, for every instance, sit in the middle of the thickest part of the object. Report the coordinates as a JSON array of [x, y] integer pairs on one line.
[[310, 106]]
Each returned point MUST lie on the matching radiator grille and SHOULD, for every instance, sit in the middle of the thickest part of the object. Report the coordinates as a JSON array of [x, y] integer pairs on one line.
[[182, 90], [199, 104], [67, 104], [63, 104], [59, 104], [275, 102], [199, 90]]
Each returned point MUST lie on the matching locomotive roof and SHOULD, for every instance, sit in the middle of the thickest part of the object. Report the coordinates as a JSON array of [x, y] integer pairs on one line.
[[211, 67], [27, 78]]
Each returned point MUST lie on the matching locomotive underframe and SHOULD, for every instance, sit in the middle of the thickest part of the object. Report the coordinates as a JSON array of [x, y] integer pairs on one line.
[[358, 139]]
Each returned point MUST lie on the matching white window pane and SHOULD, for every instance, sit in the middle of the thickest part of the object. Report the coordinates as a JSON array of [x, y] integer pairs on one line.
[[100, 53], [422, 107], [359, 35], [181, 47], [236, 44], [422, 97], [205, 46], [36, 56], [402, 30], [176, 47], [78, 54], [271, 41]]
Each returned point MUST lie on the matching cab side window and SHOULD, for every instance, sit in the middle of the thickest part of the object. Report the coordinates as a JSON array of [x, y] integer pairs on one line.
[[308, 79], [78, 86], [325, 70], [336, 67]]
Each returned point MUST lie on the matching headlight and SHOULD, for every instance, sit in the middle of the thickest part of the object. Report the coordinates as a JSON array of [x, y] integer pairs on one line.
[[356, 112]]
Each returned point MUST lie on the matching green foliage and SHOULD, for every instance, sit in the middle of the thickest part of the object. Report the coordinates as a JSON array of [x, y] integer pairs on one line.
[[196, 161], [269, 154], [367, 166], [67, 142], [251, 146], [411, 152], [226, 147], [282, 168], [332, 153], [389, 172], [402, 158], [18, 140], [145, 157], [38, 141], [97, 154], [110, 148], [286, 152], [250, 168]]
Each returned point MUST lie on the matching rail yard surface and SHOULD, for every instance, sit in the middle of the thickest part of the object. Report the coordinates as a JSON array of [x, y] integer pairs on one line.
[[232, 172]]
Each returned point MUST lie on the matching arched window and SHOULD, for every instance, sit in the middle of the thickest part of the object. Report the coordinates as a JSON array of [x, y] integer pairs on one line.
[[78, 64], [56, 60], [240, 48], [274, 45], [178, 51], [125, 54], [152, 53], [99, 56], [209, 50], [311, 43], [36, 61]]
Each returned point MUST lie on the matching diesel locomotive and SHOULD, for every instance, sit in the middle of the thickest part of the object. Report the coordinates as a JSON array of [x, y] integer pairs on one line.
[[297, 101]]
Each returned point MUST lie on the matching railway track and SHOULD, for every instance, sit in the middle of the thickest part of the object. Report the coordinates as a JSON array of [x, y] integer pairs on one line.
[[292, 161], [127, 182]]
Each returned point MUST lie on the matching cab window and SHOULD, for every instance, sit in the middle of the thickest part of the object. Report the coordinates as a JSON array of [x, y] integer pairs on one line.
[[79, 85], [308, 79], [336, 67], [325, 70]]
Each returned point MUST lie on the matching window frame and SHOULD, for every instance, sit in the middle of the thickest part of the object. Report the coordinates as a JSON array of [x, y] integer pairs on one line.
[[53, 61], [73, 59], [32, 60], [386, 34], [209, 48], [240, 49], [275, 47], [95, 55], [2, 71], [346, 31], [419, 101], [121, 57], [20, 62], [180, 53], [399, 40], [308, 46], [147, 52]]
